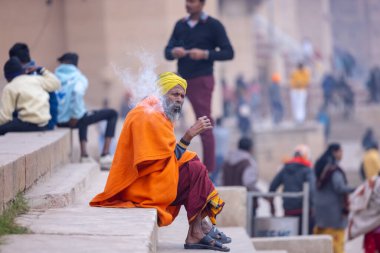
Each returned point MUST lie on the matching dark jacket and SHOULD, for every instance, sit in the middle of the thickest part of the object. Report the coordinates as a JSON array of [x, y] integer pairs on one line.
[[208, 34], [292, 176]]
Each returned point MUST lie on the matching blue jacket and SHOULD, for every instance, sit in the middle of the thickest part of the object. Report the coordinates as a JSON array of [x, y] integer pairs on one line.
[[70, 96]]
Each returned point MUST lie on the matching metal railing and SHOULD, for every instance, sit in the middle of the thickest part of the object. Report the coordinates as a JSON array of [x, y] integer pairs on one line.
[[305, 205]]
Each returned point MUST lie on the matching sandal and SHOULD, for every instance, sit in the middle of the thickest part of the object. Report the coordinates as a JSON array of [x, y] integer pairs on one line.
[[220, 236], [207, 243]]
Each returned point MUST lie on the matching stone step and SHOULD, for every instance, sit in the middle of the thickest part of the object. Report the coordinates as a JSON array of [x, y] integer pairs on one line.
[[172, 238], [73, 244], [81, 228], [62, 187], [86, 229]]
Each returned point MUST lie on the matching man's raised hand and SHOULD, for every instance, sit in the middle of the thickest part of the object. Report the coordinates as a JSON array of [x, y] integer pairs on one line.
[[202, 124]]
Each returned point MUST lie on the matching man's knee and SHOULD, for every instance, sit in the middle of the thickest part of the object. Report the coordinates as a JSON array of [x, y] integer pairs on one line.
[[198, 168]]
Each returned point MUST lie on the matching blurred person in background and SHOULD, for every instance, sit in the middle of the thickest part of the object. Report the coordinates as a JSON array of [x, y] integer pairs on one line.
[[371, 161], [228, 99], [72, 111], [21, 51], [368, 138], [331, 196], [254, 92], [373, 85], [240, 169], [275, 99], [292, 176], [191, 44], [222, 141], [299, 83], [328, 86], [364, 216], [323, 118], [24, 104], [347, 95]]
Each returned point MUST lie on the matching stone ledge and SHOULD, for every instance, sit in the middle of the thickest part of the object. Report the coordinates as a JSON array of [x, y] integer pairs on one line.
[[54, 194], [75, 244], [26, 157], [295, 244], [134, 228]]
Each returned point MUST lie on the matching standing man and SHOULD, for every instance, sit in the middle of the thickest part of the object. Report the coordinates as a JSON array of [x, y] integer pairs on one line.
[[197, 41], [299, 82]]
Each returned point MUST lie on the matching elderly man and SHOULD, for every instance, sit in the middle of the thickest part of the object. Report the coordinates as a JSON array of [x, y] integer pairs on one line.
[[151, 170]]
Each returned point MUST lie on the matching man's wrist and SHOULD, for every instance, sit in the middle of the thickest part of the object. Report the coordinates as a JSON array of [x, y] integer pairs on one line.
[[187, 138]]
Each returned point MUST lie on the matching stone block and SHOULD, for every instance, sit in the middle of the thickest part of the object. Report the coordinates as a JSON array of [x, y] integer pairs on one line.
[[9, 182], [295, 244], [14, 178], [2, 183], [19, 175], [44, 160], [234, 213], [31, 168], [56, 243]]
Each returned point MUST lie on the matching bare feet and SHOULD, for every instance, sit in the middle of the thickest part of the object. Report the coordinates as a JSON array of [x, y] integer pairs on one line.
[[206, 226], [195, 233]]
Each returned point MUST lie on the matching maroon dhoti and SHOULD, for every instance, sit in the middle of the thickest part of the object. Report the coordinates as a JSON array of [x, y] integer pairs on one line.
[[196, 191]]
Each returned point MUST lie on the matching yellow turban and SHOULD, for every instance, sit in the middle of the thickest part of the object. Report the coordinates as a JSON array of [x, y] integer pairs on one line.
[[168, 80]]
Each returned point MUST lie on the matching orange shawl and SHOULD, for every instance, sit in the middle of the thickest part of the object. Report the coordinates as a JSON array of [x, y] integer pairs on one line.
[[144, 172]]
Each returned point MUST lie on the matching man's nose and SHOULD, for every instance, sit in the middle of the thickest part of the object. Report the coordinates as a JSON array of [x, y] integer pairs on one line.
[[179, 100]]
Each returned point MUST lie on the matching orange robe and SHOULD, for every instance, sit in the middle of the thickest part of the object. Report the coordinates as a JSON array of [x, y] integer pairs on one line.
[[144, 172]]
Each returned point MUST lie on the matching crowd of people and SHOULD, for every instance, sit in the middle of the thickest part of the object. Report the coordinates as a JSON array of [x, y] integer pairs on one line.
[[329, 191]]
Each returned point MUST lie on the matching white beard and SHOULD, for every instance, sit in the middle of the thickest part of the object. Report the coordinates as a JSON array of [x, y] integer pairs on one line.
[[172, 111]]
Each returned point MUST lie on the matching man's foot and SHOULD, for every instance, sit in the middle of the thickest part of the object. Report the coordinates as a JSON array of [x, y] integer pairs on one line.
[[207, 243], [218, 235], [106, 161]]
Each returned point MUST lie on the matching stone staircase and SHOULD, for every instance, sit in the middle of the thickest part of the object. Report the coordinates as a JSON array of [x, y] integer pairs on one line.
[[60, 219]]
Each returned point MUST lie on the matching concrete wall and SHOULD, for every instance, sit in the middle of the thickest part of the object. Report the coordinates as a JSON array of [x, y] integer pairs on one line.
[[273, 145], [35, 23]]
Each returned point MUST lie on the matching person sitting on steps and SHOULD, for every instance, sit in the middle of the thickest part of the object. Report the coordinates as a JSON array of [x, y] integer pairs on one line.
[[72, 111]]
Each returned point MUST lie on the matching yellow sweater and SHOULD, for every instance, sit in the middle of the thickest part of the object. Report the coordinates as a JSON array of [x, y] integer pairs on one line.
[[28, 95], [371, 163], [300, 79]]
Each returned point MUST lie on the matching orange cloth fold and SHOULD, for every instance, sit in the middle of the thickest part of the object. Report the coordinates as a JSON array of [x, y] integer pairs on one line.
[[144, 172]]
